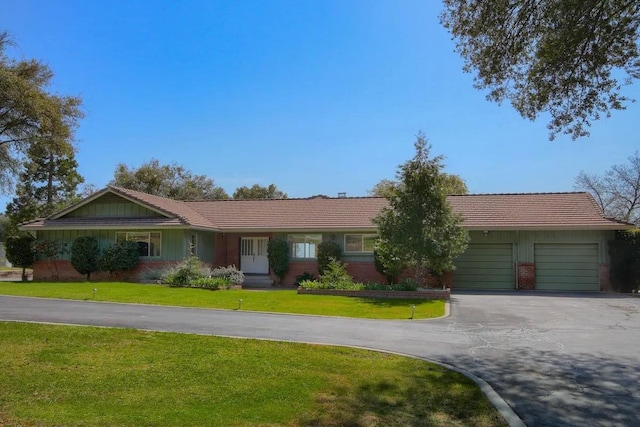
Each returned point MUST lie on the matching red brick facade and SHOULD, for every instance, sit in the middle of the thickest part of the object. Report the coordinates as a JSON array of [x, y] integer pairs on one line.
[[43, 271], [526, 276]]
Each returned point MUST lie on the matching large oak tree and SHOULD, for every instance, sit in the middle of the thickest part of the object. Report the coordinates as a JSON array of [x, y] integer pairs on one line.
[[567, 58], [173, 181]]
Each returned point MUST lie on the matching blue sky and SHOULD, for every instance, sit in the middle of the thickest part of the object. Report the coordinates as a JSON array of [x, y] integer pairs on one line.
[[313, 96]]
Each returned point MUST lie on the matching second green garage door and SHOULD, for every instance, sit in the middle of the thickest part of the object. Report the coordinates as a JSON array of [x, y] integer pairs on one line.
[[567, 267], [485, 266]]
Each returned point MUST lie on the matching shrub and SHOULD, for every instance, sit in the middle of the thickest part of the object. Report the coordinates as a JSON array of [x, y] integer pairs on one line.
[[19, 252], [625, 261], [229, 273], [304, 276], [318, 284], [120, 256], [278, 254], [210, 283], [184, 273], [328, 251], [387, 261], [51, 250], [85, 255]]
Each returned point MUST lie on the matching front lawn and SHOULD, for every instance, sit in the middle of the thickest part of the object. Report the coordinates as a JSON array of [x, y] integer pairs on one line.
[[68, 375], [277, 301]]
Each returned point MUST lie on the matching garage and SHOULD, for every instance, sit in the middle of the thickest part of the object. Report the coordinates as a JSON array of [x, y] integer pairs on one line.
[[567, 267], [485, 266]]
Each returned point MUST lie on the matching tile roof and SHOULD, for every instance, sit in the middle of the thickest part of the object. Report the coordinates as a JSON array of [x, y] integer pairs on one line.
[[532, 211], [480, 211], [317, 213]]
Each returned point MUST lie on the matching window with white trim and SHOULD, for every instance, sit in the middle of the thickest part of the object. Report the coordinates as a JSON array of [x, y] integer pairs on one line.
[[359, 242], [304, 245], [149, 242]]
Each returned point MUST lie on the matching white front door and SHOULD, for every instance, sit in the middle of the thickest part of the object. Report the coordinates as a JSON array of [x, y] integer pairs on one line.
[[253, 255]]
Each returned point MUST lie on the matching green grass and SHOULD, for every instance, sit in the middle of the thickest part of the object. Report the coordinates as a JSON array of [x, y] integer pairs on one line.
[[66, 375], [278, 301]]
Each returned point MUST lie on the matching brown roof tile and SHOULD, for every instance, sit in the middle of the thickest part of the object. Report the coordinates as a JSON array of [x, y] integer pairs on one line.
[[532, 211], [291, 214]]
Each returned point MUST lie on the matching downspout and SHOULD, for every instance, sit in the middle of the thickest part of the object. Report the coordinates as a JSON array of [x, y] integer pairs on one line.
[[517, 259]]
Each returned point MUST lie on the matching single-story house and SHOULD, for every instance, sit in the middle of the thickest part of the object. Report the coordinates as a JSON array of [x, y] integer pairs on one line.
[[551, 241]]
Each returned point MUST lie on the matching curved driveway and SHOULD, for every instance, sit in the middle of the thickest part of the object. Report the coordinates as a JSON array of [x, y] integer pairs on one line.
[[558, 360]]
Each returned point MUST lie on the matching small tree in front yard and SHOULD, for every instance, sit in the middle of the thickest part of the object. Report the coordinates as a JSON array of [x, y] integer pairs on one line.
[[19, 251], [418, 225], [120, 256], [278, 254], [387, 261], [327, 252], [85, 255]]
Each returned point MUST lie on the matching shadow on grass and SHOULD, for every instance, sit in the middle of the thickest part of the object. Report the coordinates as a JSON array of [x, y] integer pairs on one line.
[[552, 388], [428, 397]]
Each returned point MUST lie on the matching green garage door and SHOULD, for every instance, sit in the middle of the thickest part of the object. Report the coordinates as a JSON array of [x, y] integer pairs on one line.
[[567, 267], [485, 266]]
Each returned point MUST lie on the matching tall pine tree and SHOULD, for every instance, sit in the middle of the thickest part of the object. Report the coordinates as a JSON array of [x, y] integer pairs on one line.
[[419, 226], [48, 182]]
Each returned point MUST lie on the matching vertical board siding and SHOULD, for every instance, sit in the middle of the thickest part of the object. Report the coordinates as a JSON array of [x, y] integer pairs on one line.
[[112, 207]]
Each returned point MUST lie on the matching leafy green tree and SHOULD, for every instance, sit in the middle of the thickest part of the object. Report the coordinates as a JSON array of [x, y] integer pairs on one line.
[[19, 251], [172, 181], [85, 255], [327, 252], [278, 255], [565, 58], [48, 182], [4, 227], [418, 225], [452, 184], [617, 192], [29, 113], [387, 261], [259, 192], [120, 256]]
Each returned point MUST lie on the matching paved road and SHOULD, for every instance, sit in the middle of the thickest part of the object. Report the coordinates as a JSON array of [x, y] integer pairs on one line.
[[558, 360]]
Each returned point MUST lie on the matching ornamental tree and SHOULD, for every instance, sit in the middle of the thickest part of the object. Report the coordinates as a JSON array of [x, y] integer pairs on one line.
[[419, 226], [85, 255], [20, 253]]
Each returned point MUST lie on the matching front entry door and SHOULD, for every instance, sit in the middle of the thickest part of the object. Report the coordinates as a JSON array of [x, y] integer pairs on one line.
[[253, 255]]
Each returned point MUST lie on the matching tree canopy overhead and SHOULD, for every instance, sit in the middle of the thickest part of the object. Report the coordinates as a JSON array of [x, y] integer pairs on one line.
[[568, 58], [173, 181], [452, 184], [29, 113]]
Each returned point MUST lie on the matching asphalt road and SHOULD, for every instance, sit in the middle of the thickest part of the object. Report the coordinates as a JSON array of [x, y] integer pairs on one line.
[[557, 360]]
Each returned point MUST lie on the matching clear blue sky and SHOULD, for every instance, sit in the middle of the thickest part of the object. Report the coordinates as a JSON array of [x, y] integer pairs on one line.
[[313, 96]]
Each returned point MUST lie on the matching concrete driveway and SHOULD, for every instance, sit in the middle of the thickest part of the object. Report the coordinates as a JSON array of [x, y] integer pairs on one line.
[[558, 360]]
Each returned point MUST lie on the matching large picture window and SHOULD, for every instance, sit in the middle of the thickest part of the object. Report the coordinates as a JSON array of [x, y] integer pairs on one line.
[[359, 242], [304, 245], [149, 242]]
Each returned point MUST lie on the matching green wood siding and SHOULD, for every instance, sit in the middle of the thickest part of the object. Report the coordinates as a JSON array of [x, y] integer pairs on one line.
[[567, 267], [111, 205], [485, 266], [172, 241]]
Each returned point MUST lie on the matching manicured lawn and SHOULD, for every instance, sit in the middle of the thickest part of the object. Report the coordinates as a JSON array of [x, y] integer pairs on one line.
[[279, 301], [66, 375]]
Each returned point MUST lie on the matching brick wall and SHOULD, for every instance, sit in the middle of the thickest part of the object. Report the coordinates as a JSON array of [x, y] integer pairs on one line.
[[42, 271], [526, 276], [605, 277]]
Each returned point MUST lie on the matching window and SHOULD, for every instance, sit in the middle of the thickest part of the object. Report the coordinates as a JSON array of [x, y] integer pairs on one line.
[[359, 242], [304, 245], [148, 241]]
